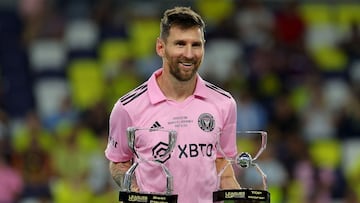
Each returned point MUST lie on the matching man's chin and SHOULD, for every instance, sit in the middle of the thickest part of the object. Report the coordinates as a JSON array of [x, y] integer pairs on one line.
[[186, 76]]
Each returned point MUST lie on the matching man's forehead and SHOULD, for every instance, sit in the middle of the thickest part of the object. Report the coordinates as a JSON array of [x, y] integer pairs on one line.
[[191, 33]]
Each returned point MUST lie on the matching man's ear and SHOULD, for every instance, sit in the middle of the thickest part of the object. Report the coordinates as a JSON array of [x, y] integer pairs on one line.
[[160, 46]]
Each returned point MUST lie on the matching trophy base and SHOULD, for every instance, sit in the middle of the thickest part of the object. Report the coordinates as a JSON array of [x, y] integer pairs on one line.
[[135, 197], [242, 196]]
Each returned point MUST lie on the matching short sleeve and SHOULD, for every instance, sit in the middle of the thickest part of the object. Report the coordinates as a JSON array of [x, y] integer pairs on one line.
[[228, 132], [117, 149]]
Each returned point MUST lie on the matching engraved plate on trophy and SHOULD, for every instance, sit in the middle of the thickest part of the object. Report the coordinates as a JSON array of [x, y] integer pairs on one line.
[[126, 194], [244, 160]]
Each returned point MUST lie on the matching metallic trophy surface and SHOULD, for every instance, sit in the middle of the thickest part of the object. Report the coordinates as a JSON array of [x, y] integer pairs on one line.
[[125, 194], [244, 161]]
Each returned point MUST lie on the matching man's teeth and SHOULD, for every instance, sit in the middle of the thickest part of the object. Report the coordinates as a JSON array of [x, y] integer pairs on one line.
[[187, 64]]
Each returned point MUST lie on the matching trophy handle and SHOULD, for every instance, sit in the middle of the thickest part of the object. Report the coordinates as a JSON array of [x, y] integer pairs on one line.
[[171, 143], [169, 180], [263, 142], [128, 176], [263, 176], [130, 132], [131, 135]]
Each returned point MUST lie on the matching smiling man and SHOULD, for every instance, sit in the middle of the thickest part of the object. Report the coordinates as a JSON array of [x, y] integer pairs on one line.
[[176, 98]]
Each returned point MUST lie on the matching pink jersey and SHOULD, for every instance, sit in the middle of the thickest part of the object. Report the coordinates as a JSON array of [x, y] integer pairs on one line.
[[197, 121], [11, 183]]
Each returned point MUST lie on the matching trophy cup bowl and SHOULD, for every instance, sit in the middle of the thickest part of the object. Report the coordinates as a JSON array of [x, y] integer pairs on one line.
[[126, 195], [244, 160]]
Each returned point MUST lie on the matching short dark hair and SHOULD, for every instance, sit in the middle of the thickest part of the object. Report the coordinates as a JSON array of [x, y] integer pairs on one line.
[[184, 17]]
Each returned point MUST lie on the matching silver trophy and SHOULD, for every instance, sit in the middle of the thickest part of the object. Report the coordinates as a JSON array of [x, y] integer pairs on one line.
[[244, 160], [125, 194]]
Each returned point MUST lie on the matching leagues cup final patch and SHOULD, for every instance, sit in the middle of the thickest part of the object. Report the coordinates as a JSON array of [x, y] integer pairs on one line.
[[206, 122]]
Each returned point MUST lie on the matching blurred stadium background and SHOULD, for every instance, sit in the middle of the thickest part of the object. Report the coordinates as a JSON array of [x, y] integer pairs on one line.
[[293, 66]]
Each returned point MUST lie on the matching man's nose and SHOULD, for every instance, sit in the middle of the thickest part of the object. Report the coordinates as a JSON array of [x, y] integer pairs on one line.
[[188, 52]]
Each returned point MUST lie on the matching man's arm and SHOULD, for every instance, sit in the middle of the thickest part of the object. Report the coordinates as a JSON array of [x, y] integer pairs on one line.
[[227, 179], [118, 170]]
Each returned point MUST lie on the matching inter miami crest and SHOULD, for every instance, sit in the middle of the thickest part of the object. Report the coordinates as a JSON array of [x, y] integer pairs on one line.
[[206, 122]]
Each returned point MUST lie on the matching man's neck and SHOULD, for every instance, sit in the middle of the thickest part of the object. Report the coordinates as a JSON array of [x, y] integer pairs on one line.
[[174, 89]]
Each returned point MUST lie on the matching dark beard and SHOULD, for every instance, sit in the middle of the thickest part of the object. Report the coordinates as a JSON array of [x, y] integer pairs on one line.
[[175, 71]]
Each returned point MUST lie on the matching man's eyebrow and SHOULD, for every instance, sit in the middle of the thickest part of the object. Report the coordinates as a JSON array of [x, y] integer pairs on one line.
[[179, 41], [184, 41]]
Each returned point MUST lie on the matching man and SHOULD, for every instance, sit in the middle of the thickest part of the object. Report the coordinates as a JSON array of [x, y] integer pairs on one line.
[[176, 97]]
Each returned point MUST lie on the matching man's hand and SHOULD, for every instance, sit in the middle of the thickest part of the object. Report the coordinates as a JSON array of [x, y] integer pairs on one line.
[[227, 179], [118, 170]]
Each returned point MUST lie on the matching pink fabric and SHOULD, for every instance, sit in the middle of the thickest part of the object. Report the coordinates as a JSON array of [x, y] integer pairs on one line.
[[197, 121], [31, 7], [10, 184]]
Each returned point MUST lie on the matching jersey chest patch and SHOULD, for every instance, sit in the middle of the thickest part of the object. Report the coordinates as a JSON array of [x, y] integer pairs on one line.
[[206, 122]]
